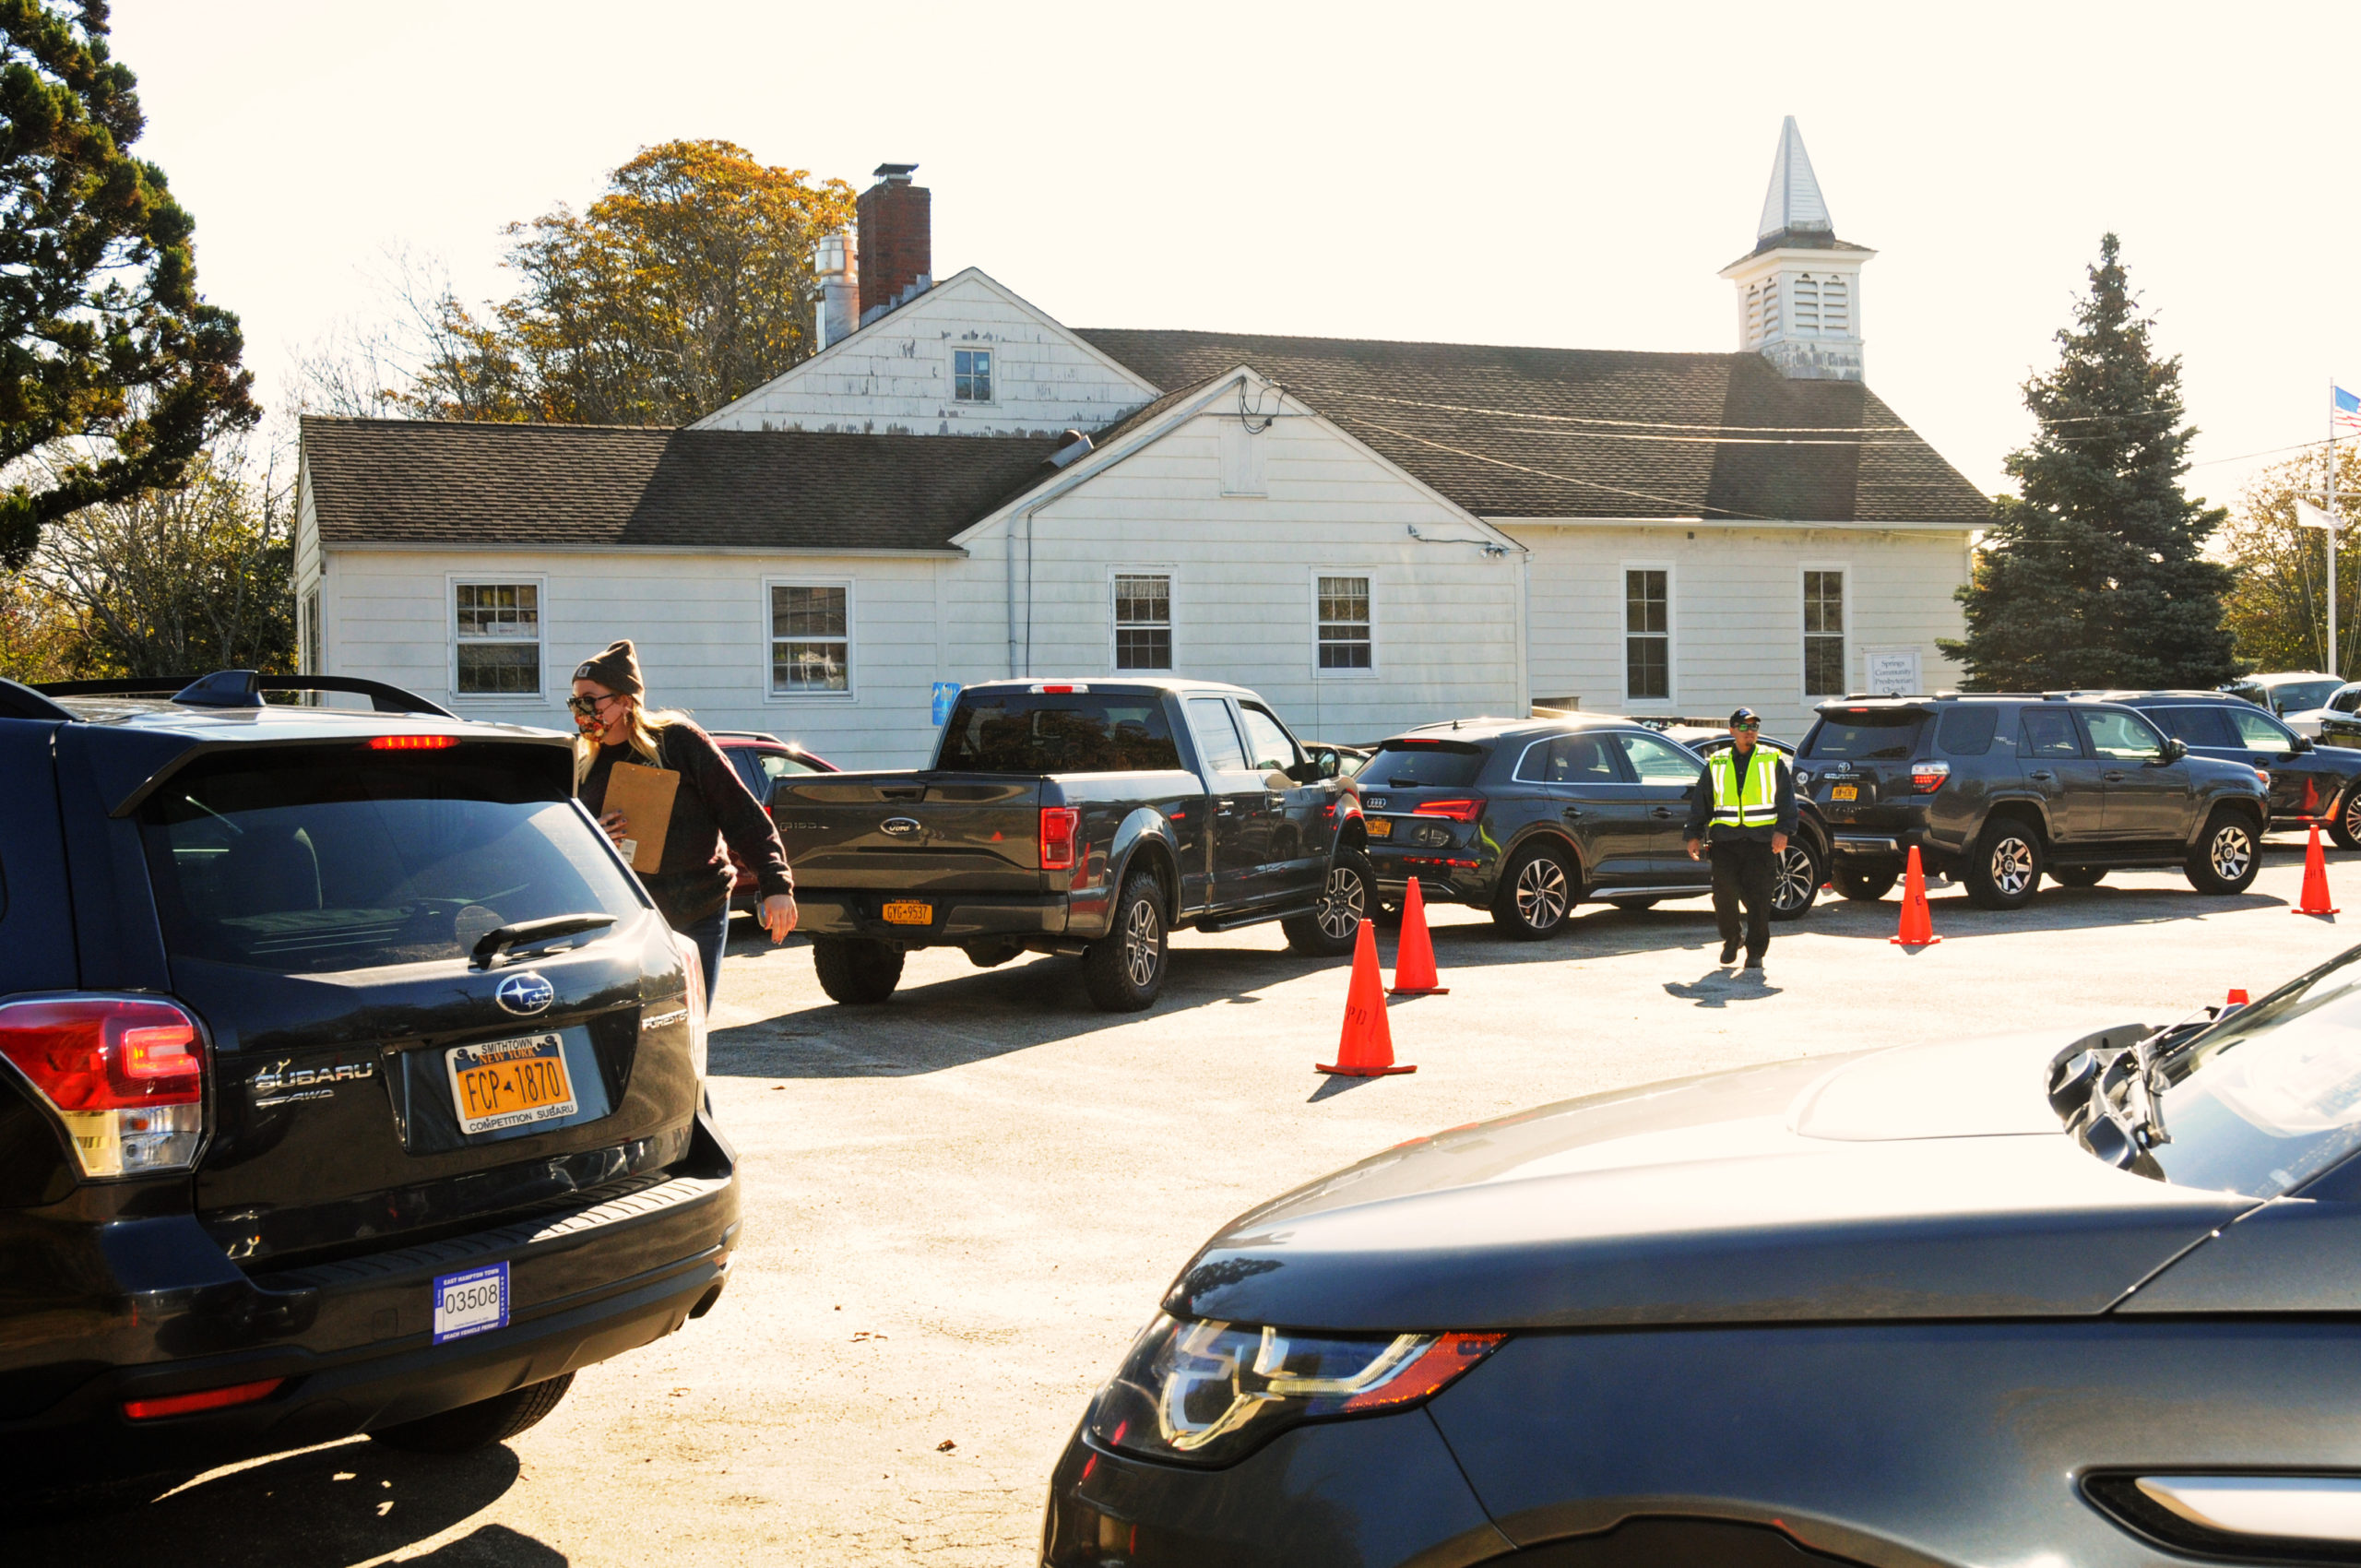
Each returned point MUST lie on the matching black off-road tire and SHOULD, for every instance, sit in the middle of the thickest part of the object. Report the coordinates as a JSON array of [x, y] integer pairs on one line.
[[1796, 879], [480, 1425], [856, 970], [2227, 855], [1536, 895], [2077, 876], [1124, 971], [2345, 826], [1863, 885], [1345, 900], [2002, 870]]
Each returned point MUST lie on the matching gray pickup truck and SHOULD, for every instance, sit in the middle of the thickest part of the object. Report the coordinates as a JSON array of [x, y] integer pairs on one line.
[[1089, 818]]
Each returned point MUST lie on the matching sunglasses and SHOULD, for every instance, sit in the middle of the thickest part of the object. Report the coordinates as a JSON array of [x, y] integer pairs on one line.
[[589, 707], [1746, 729]]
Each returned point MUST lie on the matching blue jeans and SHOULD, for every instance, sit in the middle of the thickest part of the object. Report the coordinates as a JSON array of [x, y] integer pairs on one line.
[[710, 935]]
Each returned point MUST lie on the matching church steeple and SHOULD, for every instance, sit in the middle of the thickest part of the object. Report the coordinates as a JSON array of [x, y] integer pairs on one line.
[[1799, 288]]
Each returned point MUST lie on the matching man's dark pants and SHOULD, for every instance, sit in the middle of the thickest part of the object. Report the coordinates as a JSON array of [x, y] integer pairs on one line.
[[1744, 870]]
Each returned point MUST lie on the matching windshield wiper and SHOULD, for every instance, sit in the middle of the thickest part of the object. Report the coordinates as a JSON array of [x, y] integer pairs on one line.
[[509, 940], [2112, 1098]]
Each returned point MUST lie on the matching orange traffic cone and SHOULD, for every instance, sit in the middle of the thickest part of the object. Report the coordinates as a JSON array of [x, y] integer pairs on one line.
[[2315, 898], [1414, 951], [1917, 921], [2311, 797], [1367, 1049]]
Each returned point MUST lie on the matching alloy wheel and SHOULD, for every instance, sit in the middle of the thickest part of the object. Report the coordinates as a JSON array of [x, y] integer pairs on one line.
[[1541, 893], [2012, 872], [2230, 852], [1343, 903], [1143, 943], [2353, 811], [1793, 885]]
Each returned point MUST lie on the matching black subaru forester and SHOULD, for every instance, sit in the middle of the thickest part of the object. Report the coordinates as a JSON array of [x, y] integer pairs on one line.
[[348, 1083]]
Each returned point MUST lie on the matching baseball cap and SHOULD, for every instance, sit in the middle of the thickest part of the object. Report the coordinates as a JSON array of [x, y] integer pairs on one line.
[[1745, 717]]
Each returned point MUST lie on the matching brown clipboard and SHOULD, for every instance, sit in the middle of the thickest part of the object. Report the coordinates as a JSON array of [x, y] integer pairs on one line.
[[644, 796]]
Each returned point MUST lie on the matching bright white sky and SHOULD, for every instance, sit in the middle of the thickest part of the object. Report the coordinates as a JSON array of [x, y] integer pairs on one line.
[[1559, 174]]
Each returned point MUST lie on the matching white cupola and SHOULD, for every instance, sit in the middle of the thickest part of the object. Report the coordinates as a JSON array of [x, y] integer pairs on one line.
[[1799, 288]]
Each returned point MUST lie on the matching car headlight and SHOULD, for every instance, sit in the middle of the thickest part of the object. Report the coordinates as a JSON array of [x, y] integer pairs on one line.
[[1204, 1392]]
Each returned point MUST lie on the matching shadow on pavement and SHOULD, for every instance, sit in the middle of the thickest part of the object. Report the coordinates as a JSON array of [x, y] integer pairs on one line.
[[327, 1508], [1719, 988]]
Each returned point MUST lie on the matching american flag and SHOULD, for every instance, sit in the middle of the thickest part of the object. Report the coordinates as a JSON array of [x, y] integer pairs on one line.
[[2345, 409]]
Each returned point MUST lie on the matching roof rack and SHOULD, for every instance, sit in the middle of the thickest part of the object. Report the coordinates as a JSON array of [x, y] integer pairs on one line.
[[243, 688], [746, 734]]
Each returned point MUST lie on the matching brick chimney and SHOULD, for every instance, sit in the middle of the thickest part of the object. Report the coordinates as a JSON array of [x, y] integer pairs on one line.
[[896, 239]]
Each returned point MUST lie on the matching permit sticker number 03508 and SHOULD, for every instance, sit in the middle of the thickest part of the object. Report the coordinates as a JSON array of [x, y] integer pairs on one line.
[[472, 1302]]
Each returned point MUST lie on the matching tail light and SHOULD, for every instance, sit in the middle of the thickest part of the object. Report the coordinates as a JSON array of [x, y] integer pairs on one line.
[[1926, 777], [124, 1075], [208, 1400], [412, 743], [693, 963], [1059, 825], [1458, 810]]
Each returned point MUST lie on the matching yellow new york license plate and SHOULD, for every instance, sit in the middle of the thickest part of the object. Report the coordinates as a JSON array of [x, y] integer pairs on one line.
[[1845, 792], [909, 911], [1378, 827], [510, 1083]]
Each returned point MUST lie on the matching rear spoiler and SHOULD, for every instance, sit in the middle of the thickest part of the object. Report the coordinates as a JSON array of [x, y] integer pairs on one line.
[[240, 688]]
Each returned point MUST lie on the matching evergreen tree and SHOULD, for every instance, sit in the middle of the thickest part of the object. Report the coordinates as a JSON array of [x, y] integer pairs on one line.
[[2092, 575]]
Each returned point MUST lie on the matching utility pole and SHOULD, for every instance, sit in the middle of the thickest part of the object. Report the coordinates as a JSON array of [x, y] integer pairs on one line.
[[2331, 491]]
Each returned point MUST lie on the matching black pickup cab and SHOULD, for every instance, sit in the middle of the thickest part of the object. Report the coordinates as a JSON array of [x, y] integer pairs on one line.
[[1081, 817]]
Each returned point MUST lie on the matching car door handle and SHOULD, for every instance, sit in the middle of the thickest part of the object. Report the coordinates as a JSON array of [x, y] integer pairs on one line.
[[1661, 812], [2115, 775], [1570, 813], [2044, 777]]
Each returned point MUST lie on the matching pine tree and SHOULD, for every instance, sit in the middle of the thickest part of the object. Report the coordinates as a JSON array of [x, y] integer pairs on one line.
[[2094, 574]]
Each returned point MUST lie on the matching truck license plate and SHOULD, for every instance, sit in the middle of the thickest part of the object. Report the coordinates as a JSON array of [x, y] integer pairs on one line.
[[909, 911], [472, 1302], [1845, 792], [510, 1083], [1381, 828]]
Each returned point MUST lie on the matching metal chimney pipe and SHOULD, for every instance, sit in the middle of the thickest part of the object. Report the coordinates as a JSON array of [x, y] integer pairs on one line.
[[839, 310]]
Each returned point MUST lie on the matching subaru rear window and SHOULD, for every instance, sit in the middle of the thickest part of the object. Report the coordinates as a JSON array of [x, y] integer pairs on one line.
[[306, 861], [1967, 731], [1426, 765], [1867, 734], [1036, 732]]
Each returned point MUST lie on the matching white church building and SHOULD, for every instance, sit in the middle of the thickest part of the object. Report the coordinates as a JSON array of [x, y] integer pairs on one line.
[[959, 488]]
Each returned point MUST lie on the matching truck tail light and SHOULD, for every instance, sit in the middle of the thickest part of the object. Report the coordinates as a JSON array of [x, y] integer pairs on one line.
[[206, 1399], [1059, 824], [124, 1075], [1926, 777], [1458, 810]]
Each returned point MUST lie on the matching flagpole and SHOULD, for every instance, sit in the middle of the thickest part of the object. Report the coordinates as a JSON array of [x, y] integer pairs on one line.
[[2331, 529]]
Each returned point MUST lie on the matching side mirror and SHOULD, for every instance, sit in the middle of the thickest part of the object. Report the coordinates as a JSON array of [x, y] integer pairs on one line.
[[1328, 760], [2175, 748], [2303, 744]]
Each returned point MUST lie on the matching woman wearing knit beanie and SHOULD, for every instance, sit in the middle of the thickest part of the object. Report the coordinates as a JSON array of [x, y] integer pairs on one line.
[[710, 808]]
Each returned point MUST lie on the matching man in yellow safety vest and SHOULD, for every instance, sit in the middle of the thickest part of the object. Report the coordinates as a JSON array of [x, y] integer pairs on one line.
[[1746, 796]]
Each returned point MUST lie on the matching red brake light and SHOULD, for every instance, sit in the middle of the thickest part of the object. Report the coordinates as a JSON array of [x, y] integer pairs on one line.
[[1926, 777], [125, 1076], [412, 743], [1458, 810], [208, 1400], [1059, 824]]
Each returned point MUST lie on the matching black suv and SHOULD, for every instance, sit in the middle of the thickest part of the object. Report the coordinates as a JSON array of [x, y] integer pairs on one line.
[[2311, 781], [349, 1081], [1995, 789], [1528, 818]]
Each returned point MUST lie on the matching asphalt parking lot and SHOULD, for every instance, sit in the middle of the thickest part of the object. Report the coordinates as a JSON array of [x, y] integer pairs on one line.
[[962, 1206]]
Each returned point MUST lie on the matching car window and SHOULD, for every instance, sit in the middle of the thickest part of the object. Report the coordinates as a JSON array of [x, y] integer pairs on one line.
[[287, 861], [2346, 701], [749, 773], [2048, 733], [2261, 732], [2122, 737], [1967, 731], [1571, 759], [2302, 696], [2208, 726], [1424, 764], [1269, 747], [1036, 732], [1217, 740], [1656, 761], [1867, 734], [778, 765]]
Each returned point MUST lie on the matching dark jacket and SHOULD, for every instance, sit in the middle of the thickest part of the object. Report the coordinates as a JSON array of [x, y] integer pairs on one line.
[[1701, 801], [711, 806]]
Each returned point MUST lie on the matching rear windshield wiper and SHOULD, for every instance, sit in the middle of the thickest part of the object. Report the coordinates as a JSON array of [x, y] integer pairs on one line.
[[509, 940]]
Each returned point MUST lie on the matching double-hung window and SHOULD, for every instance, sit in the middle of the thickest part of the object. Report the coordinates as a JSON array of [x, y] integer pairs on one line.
[[497, 631], [1345, 623], [1647, 635], [1143, 622], [1823, 634], [811, 639], [971, 376]]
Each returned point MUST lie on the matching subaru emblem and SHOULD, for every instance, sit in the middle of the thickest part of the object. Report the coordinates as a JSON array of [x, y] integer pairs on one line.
[[901, 826], [528, 993]]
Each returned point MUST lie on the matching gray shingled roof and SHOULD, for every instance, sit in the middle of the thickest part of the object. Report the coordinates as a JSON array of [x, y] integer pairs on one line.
[[420, 482], [1578, 432]]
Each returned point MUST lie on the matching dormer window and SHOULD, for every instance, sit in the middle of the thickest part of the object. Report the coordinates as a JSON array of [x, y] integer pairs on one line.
[[971, 376]]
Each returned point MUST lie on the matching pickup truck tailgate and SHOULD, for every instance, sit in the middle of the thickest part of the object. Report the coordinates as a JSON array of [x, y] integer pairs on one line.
[[916, 832]]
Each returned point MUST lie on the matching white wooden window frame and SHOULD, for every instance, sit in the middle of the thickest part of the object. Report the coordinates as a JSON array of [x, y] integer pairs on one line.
[[452, 583], [312, 643], [1172, 575], [1670, 701], [852, 642], [989, 350], [1376, 653], [1852, 617]]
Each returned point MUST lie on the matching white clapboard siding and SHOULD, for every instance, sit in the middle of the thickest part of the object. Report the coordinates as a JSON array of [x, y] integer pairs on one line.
[[894, 375]]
